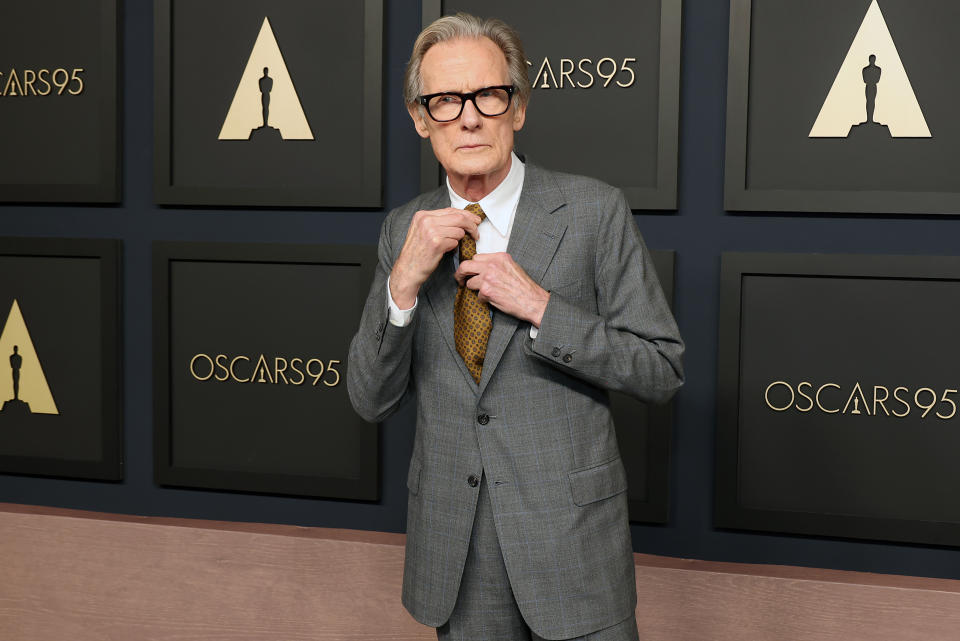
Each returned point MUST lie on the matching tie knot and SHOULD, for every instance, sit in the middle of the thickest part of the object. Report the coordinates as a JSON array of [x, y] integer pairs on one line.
[[475, 208]]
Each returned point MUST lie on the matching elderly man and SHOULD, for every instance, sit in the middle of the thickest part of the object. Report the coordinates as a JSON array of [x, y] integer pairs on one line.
[[506, 304]]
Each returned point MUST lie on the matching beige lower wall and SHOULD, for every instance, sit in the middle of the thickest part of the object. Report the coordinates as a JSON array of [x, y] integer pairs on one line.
[[76, 576]]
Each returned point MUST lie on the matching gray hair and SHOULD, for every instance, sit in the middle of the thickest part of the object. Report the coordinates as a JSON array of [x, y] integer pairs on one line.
[[464, 25]]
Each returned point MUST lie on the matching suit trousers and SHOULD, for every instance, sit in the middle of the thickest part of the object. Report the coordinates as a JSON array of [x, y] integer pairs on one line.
[[486, 609]]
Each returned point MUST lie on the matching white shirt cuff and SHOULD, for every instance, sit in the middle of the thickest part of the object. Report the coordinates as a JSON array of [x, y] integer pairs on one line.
[[533, 332], [397, 316]]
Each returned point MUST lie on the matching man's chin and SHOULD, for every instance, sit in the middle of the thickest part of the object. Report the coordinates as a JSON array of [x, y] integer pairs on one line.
[[473, 163]]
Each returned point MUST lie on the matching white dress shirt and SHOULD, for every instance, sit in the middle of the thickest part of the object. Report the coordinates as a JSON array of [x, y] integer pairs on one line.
[[500, 207]]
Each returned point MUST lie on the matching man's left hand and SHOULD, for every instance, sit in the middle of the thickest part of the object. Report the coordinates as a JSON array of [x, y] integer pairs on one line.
[[500, 281]]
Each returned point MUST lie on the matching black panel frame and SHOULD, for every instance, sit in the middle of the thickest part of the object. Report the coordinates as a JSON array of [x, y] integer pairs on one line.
[[164, 254], [664, 195], [655, 508], [108, 188], [729, 512], [737, 197], [109, 253], [168, 193]]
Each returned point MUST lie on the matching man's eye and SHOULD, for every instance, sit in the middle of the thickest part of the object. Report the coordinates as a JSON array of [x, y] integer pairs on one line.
[[448, 99]]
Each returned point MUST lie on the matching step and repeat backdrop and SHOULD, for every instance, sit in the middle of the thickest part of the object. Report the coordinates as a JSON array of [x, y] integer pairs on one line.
[[605, 90], [59, 104], [250, 350], [838, 395], [836, 391], [842, 107], [268, 104], [60, 375]]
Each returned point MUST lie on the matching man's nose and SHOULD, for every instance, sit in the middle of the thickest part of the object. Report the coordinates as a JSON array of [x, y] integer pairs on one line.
[[470, 118]]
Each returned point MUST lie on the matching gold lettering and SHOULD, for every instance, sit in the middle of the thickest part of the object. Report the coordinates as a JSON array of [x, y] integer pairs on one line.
[[331, 368], [289, 371], [293, 368], [60, 85], [233, 373], [193, 371], [315, 376], [585, 72], [607, 77], [766, 396], [220, 360], [817, 397], [278, 371], [76, 78], [880, 401], [926, 408], [566, 72], [40, 77], [29, 76], [905, 404], [624, 67], [856, 405], [264, 370], [953, 405], [13, 80], [800, 392], [544, 69]]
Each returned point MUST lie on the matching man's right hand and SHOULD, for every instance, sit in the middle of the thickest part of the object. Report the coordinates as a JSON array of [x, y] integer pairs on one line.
[[430, 236]]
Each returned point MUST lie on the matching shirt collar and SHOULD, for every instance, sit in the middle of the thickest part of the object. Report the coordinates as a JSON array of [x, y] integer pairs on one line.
[[500, 203]]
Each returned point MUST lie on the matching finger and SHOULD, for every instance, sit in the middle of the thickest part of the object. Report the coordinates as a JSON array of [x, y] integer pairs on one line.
[[449, 244], [466, 270], [466, 219], [446, 211], [452, 221], [496, 257], [446, 231], [475, 283], [474, 231]]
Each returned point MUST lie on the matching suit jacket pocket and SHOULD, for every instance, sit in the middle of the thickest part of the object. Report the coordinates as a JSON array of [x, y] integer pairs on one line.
[[413, 476], [568, 291], [598, 482]]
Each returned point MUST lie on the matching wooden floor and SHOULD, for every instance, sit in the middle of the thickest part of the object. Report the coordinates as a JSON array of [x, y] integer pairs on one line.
[[77, 576]]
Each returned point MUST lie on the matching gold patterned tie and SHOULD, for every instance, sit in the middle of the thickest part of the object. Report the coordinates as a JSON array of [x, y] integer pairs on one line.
[[471, 318]]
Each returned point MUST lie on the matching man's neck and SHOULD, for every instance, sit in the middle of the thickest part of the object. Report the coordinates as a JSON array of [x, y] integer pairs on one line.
[[475, 188]]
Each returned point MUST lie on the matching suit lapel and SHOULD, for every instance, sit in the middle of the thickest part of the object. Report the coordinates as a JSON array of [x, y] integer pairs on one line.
[[533, 241], [440, 291]]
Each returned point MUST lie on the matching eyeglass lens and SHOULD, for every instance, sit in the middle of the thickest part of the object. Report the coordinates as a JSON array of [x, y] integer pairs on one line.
[[489, 102]]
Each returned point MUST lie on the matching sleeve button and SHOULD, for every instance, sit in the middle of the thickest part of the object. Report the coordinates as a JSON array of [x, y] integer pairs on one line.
[[555, 352], [567, 358]]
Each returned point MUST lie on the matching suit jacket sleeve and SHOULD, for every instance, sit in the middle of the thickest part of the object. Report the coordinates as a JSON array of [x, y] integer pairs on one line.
[[630, 343], [378, 363]]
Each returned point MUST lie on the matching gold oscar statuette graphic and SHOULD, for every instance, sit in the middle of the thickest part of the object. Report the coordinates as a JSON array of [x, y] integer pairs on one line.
[[266, 102], [23, 387], [871, 93]]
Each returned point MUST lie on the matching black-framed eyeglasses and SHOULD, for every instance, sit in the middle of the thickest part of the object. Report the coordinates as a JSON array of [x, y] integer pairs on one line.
[[447, 106]]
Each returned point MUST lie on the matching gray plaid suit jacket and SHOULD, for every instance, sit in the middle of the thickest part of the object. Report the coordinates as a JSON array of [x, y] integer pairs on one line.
[[538, 424]]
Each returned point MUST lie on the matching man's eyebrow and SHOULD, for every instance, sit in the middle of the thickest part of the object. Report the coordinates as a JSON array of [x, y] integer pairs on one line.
[[432, 93]]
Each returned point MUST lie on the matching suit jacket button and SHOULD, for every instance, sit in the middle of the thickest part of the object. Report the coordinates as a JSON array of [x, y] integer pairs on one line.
[[555, 352], [473, 481], [483, 419], [567, 358]]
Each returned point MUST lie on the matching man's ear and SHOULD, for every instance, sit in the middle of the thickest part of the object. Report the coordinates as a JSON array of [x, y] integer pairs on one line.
[[419, 120], [519, 116]]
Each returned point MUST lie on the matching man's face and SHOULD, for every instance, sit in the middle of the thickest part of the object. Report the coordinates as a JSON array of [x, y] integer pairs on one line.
[[473, 144]]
